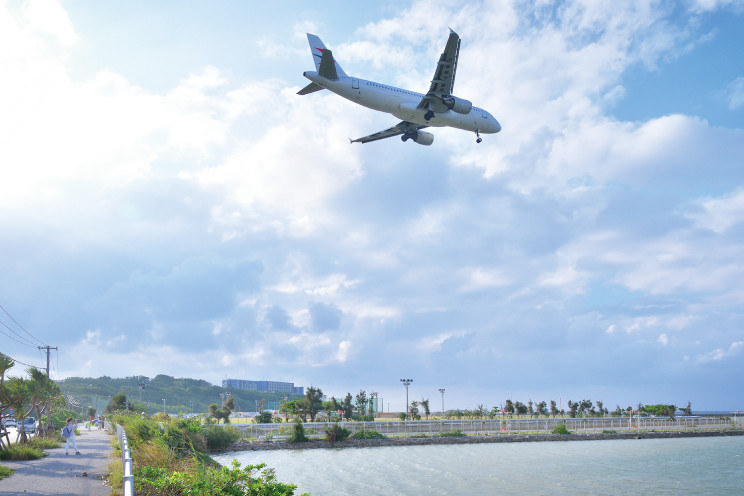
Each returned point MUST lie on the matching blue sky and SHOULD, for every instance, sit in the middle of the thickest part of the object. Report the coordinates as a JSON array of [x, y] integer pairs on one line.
[[170, 205]]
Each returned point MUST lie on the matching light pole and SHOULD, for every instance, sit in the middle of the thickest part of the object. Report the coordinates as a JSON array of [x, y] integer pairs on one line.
[[406, 383], [441, 390], [163, 405]]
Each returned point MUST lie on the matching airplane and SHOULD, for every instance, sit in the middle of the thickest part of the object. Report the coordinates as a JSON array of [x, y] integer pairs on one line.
[[437, 108]]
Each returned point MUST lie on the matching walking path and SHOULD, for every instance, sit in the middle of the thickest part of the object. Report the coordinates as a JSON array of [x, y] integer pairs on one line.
[[64, 475]]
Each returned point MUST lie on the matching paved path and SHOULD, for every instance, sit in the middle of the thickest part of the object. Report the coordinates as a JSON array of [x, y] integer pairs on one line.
[[61, 474]]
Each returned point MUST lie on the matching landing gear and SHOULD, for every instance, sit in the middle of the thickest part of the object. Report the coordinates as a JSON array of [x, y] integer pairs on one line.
[[478, 138], [429, 115], [404, 138]]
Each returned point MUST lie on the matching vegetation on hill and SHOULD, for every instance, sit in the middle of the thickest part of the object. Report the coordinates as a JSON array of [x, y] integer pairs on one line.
[[181, 395]]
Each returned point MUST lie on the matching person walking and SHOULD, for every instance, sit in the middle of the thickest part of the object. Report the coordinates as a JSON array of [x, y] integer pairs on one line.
[[68, 431]]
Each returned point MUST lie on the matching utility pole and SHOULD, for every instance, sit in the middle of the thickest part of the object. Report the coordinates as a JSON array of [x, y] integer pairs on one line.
[[48, 351]]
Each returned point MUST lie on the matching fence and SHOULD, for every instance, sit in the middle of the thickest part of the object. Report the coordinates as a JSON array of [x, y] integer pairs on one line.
[[126, 461], [499, 426]]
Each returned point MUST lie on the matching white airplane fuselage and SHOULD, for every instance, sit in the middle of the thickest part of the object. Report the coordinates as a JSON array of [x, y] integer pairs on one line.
[[403, 104]]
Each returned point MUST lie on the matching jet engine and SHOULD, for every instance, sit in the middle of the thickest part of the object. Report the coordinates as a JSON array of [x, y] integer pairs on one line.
[[420, 137], [458, 105]]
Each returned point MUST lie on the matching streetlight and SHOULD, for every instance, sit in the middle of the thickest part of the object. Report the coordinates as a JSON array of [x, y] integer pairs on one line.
[[406, 383], [441, 390]]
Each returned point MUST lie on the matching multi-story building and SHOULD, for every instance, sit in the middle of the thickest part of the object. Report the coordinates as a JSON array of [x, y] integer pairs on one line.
[[270, 386]]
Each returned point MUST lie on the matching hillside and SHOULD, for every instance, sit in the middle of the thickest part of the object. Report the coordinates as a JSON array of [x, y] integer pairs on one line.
[[181, 395]]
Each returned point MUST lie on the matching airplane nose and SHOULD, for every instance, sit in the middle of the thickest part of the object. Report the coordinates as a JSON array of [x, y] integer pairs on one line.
[[496, 126]]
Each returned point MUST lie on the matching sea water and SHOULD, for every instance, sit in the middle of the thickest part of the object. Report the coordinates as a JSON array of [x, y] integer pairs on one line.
[[679, 466]]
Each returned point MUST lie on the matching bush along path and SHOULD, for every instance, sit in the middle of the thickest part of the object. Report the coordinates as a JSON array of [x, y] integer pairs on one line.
[[169, 458]]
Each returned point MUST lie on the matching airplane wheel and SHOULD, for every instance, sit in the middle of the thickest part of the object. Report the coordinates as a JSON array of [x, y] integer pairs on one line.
[[404, 138], [479, 140], [428, 115]]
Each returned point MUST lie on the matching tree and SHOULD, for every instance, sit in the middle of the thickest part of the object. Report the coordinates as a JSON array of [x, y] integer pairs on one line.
[[314, 397], [263, 418], [542, 408], [553, 408], [118, 402], [293, 408], [530, 408], [509, 408], [425, 405], [17, 394], [347, 407], [687, 410], [661, 410], [600, 407], [413, 410], [572, 409], [521, 408], [361, 403]]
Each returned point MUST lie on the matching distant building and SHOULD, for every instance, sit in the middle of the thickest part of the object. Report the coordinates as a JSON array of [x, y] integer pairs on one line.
[[269, 386]]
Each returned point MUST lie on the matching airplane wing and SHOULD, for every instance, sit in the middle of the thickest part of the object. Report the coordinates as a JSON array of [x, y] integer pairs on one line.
[[444, 76], [403, 127]]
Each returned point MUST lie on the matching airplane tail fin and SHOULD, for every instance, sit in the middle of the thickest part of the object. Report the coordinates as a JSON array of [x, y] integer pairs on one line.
[[317, 48]]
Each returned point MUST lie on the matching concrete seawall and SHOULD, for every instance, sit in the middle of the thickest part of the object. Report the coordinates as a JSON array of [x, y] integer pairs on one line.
[[427, 440]]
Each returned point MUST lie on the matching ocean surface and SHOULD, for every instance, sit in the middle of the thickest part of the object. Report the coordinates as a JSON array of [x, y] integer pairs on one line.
[[681, 466]]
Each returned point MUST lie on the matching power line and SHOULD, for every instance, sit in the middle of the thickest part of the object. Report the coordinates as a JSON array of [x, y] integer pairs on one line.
[[19, 325], [16, 339], [17, 361]]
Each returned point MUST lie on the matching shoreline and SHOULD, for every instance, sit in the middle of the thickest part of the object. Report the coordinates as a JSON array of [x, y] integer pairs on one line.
[[476, 439]]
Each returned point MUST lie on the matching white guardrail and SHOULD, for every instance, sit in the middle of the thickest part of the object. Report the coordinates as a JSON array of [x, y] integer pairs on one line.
[[126, 461]]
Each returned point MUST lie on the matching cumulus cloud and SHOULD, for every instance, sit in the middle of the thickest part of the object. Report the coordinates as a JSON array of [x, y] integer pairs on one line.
[[226, 220]]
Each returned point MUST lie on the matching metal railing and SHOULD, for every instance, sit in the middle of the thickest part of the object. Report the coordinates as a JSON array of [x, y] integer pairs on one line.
[[499, 426], [126, 461]]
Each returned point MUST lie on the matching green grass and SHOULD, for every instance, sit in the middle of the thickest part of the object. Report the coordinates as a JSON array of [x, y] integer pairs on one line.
[[21, 452], [5, 472], [44, 443]]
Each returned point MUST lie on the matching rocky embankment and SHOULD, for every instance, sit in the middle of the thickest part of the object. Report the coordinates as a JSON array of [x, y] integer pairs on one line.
[[498, 438]]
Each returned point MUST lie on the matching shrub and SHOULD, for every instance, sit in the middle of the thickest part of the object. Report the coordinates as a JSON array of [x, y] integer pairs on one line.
[[298, 433], [561, 429], [251, 479], [219, 437], [367, 434], [455, 433], [336, 433]]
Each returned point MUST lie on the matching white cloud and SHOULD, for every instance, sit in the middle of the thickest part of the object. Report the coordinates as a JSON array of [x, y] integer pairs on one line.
[[720, 214], [722, 353], [230, 210], [735, 93]]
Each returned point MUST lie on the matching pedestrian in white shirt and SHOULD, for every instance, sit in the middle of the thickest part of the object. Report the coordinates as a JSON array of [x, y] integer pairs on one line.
[[68, 431]]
